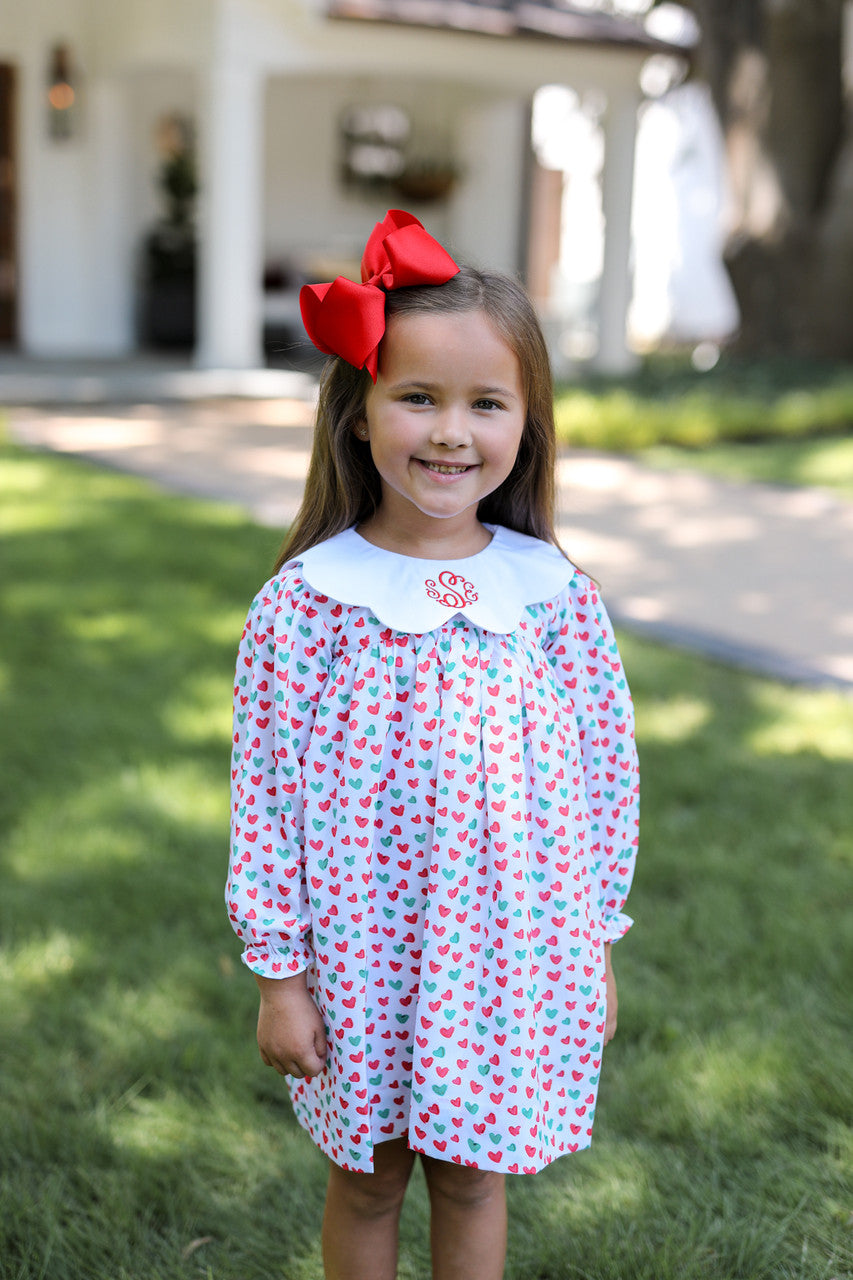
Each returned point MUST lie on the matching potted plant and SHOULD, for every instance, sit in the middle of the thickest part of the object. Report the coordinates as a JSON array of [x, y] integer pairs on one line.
[[169, 250], [425, 180]]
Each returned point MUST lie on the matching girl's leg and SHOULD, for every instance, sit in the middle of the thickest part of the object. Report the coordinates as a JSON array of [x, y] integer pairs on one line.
[[363, 1214], [468, 1230]]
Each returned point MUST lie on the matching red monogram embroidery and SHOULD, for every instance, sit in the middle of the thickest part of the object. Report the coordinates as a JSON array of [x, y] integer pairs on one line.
[[457, 591]]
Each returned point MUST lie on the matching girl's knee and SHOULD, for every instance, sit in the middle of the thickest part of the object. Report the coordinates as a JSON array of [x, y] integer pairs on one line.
[[378, 1193], [470, 1187]]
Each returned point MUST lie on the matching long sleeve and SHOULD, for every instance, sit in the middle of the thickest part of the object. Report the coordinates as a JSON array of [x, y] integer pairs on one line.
[[282, 667], [584, 652]]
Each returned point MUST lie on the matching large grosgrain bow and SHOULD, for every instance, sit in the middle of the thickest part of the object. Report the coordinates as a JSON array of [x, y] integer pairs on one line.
[[347, 319]]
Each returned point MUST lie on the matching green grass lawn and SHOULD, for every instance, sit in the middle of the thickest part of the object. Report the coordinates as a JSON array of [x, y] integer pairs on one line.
[[142, 1139]]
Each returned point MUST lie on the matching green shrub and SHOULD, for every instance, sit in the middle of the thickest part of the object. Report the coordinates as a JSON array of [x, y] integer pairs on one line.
[[667, 402]]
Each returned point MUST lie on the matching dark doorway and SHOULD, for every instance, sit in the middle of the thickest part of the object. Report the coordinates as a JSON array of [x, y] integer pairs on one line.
[[8, 209]]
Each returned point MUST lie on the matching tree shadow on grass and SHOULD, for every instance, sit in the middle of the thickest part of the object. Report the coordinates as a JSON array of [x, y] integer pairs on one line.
[[137, 1119]]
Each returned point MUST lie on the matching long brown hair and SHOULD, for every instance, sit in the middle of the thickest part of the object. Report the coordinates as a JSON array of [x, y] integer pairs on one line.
[[343, 486]]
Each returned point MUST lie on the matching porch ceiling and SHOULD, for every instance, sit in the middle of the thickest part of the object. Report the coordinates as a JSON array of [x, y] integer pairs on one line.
[[545, 19]]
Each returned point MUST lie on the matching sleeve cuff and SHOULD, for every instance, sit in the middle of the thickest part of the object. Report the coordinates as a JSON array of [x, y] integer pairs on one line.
[[271, 962], [616, 926]]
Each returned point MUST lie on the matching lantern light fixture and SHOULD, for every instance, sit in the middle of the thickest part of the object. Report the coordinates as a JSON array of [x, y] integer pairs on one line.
[[61, 93]]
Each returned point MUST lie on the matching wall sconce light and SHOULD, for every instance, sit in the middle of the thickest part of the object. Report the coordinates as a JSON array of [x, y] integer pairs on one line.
[[61, 94]]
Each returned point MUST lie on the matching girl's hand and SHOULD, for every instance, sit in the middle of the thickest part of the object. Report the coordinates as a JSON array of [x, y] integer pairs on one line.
[[612, 1000], [291, 1035]]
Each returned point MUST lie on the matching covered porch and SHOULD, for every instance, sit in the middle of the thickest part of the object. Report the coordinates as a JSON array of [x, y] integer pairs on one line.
[[268, 89]]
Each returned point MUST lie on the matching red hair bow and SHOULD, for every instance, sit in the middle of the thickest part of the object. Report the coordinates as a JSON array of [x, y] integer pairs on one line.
[[347, 319]]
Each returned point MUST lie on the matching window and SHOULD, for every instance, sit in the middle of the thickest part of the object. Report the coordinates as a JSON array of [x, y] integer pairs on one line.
[[374, 141]]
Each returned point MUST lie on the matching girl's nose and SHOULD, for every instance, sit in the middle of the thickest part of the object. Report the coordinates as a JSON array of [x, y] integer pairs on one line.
[[451, 429]]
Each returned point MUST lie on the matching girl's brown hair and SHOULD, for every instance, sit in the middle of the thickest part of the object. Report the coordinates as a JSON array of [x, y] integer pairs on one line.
[[343, 487]]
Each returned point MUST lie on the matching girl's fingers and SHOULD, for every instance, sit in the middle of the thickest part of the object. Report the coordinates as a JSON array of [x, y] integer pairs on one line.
[[301, 1055], [282, 1068], [300, 1069], [298, 1072]]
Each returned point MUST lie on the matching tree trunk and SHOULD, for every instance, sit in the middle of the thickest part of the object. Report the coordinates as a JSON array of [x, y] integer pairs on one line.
[[775, 71]]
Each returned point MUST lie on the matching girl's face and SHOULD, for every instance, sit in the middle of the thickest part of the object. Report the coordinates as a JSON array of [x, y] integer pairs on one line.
[[444, 420]]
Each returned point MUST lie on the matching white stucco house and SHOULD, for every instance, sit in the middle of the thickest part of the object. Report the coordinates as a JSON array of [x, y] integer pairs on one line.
[[292, 103]]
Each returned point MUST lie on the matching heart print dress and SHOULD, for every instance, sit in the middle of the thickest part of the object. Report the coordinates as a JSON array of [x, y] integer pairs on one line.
[[435, 810]]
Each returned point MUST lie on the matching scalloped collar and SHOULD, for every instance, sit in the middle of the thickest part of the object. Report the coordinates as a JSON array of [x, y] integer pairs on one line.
[[490, 589]]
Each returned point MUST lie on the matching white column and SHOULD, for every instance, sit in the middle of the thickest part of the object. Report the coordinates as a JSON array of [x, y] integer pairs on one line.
[[110, 245], [53, 259], [230, 217], [620, 132]]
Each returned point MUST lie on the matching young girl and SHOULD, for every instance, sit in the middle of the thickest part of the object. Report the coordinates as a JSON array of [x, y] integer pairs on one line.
[[434, 776]]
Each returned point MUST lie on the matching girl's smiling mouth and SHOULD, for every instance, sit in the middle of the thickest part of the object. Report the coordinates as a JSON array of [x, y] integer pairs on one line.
[[445, 468]]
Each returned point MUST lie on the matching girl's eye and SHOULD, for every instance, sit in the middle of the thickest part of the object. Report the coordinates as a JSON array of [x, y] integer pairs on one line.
[[487, 404], [417, 397]]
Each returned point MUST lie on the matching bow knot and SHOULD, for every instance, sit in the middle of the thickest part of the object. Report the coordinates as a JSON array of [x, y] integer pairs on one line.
[[347, 319]]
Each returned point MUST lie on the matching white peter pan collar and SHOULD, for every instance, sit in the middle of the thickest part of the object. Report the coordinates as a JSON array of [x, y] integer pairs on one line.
[[491, 589]]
